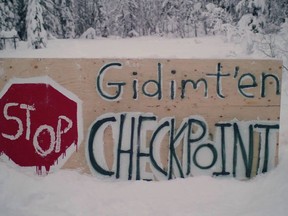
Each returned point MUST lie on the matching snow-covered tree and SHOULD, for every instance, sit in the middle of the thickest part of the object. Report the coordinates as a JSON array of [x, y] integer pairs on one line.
[[278, 11], [148, 17], [253, 21], [127, 18], [282, 42], [197, 18], [20, 25], [99, 18], [66, 8], [51, 18], [7, 14], [253, 14], [93, 14], [82, 16], [36, 34], [216, 17], [187, 19], [169, 17], [230, 7]]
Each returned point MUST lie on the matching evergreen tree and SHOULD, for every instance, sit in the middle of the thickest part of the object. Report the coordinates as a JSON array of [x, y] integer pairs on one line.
[[127, 21], [21, 8], [7, 15], [148, 17], [67, 21], [36, 34], [253, 14], [187, 19], [51, 18], [278, 11], [195, 19], [82, 16], [128, 18], [169, 17], [99, 18], [230, 7], [216, 17]]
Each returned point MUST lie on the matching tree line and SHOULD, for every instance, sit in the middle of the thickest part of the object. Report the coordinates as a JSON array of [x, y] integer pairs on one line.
[[131, 18]]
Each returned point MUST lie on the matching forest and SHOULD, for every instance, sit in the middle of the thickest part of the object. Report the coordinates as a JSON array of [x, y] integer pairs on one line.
[[37, 20]]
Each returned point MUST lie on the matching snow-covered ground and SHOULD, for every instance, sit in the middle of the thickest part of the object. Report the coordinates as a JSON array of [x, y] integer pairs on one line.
[[145, 47], [70, 193]]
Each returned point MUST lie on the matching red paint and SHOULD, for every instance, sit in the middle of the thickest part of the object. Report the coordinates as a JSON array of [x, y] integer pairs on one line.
[[49, 104]]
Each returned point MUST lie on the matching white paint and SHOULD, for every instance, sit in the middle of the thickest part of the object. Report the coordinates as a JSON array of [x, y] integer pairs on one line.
[[8, 117], [38, 148], [73, 147], [28, 108], [126, 140], [146, 126], [175, 170], [206, 157], [273, 138], [98, 144], [195, 133], [55, 139], [60, 132], [157, 148]]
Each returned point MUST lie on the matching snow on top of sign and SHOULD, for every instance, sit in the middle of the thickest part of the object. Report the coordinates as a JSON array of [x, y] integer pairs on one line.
[[143, 47]]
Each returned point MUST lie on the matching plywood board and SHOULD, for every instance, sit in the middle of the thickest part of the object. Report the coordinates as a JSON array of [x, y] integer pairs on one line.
[[242, 93]]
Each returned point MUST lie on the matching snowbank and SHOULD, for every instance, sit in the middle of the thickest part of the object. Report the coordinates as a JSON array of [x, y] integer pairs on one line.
[[70, 193], [145, 47]]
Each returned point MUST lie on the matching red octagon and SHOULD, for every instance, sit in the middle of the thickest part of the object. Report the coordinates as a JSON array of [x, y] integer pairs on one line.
[[40, 123]]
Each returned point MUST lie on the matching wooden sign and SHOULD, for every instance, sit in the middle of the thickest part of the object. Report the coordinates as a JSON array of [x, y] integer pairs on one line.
[[149, 119]]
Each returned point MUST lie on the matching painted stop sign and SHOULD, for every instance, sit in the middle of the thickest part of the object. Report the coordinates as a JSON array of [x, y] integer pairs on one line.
[[40, 124]]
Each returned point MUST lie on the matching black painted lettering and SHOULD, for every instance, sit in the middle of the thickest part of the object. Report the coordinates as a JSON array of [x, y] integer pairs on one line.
[[129, 132], [157, 83], [172, 89], [191, 139], [264, 84], [174, 140], [195, 85], [236, 71], [120, 151], [247, 158], [219, 76], [223, 148], [242, 87], [267, 129], [135, 89], [117, 85], [213, 151], [153, 139], [97, 125], [140, 154]]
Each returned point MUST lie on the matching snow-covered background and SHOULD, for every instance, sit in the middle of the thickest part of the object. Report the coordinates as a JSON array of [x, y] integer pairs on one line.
[[69, 193]]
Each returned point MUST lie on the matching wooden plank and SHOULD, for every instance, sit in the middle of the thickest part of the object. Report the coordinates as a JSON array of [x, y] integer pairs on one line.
[[245, 90]]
